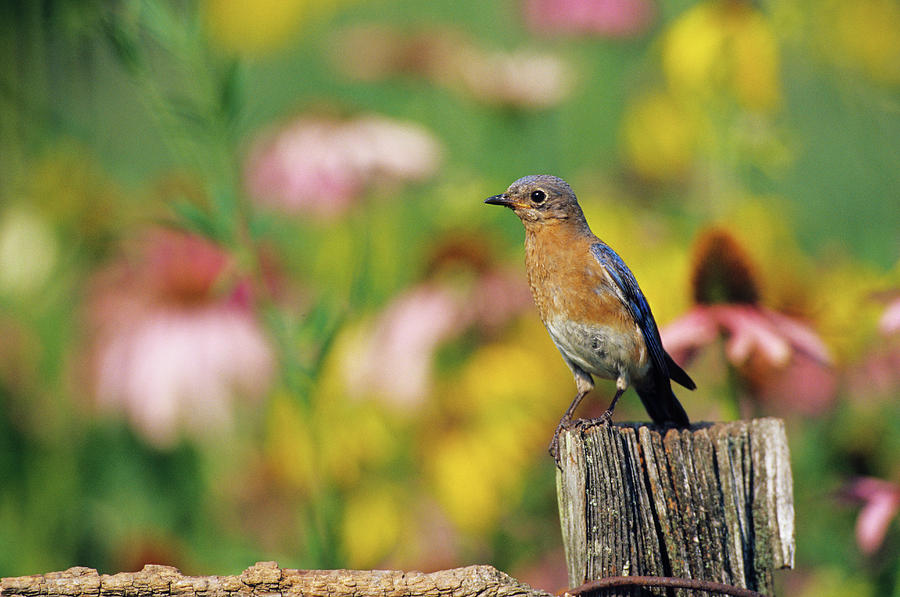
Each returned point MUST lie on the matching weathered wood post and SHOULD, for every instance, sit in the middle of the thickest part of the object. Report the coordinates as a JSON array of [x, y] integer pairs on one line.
[[711, 503]]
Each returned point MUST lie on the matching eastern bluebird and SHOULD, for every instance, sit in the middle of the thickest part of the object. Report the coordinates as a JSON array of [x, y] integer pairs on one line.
[[591, 304]]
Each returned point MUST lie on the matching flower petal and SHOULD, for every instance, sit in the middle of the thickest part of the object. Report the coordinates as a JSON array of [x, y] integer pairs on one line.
[[881, 501], [751, 331], [801, 336], [694, 330], [890, 319]]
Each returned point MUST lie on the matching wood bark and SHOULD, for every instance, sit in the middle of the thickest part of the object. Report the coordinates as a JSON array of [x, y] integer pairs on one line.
[[267, 579], [714, 502]]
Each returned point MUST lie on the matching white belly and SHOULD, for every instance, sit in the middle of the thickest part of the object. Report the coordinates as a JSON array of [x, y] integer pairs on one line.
[[599, 350]]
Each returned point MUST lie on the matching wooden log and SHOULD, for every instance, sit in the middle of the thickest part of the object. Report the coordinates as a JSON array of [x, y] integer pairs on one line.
[[266, 579], [714, 502]]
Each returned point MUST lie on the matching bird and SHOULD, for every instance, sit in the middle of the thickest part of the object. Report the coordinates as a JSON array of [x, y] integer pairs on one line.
[[591, 304]]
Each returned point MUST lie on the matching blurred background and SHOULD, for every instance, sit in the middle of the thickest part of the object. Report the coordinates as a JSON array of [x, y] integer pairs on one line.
[[252, 306]]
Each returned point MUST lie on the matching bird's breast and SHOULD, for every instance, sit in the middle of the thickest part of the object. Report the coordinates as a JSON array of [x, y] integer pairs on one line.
[[567, 281], [581, 309]]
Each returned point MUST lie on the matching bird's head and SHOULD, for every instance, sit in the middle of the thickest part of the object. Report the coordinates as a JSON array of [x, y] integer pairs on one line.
[[540, 198]]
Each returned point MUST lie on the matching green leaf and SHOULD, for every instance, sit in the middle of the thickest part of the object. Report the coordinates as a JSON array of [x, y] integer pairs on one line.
[[230, 93], [225, 212], [195, 219], [124, 45]]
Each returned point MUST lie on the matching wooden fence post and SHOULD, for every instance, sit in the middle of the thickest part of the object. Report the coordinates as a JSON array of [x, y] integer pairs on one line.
[[711, 503]]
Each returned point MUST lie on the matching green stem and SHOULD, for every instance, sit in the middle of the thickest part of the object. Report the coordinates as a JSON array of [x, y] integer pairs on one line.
[[734, 385]]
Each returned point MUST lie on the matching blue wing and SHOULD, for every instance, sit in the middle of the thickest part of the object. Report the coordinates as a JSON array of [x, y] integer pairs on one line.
[[634, 299]]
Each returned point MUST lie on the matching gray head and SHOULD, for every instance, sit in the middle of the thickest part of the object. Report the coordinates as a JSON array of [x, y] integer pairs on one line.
[[540, 198]]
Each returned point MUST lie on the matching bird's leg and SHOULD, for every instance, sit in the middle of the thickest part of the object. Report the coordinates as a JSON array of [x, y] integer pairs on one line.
[[584, 384], [564, 422], [621, 386]]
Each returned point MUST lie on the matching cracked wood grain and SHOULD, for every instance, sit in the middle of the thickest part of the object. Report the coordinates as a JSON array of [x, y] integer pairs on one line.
[[266, 578], [714, 502]]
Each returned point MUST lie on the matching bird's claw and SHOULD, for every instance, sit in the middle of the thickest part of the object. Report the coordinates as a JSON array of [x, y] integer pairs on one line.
[[605, 418], [553, 448]]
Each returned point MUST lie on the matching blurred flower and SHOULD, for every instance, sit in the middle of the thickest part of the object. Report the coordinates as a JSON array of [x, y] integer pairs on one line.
[[877, 372], [462, 471], [750, 331], [724, 46], [70, 190], [659, 137], [881, 503], [373, 520], [321, 165], [890, 319], [500, 404], [172, 347], [608, 18], [776, 356], [256, 28], [396, 355], [28, 252], [864, 35], [375, 52], [521, 79], [393, 359]]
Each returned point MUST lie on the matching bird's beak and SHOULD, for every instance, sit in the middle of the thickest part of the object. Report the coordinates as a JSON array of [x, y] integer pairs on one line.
[[499, 200]]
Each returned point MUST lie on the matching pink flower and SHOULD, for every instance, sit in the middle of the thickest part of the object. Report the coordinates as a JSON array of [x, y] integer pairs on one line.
[[171, 350], [608, 18], [877, 373], [890, 319], [748, 330], [778, 357], [520, 79], [322, 165], [881, 503], [780, 360], [393, 359]]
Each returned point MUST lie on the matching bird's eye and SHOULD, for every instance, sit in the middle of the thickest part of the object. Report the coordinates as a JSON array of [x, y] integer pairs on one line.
[[538, 196]]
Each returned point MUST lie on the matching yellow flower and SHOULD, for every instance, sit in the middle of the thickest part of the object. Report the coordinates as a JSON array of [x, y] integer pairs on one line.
[[659, 137], [504, 376], [756, 63], [289, 444], [845, 310], [371, 528], [866, 35], [70, 189], [836, 296], [28, 252], [763, 226], [254, 28], [462, 471], [643, 238], [505, 404], [692, 49], [724, 45], [309, 449]]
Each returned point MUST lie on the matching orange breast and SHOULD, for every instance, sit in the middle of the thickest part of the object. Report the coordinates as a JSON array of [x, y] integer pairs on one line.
[[567, 281]]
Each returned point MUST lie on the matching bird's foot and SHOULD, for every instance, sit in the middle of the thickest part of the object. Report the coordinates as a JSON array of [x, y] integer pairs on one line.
[[606, 417], [553, 448]]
